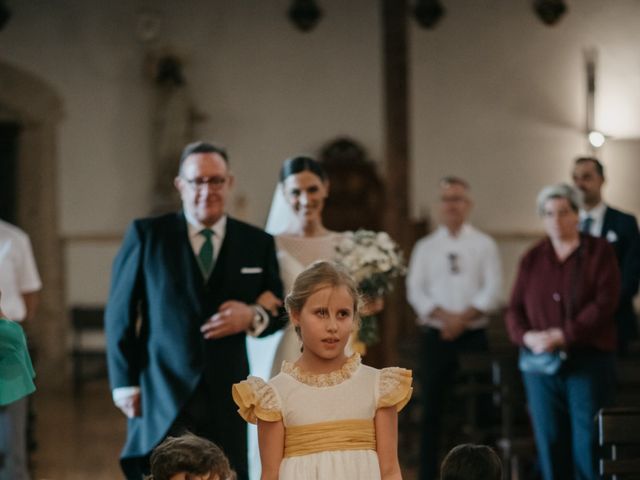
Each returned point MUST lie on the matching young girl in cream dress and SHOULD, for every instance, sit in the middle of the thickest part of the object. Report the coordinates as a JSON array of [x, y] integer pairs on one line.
[[326, 416]]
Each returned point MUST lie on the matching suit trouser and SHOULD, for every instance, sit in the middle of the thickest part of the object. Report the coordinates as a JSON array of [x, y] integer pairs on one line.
[[13, 441], [213, 417], [563, 407], [439, 363]]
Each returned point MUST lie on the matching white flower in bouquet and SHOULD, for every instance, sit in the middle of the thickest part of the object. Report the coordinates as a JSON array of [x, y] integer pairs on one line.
[[374, 260]]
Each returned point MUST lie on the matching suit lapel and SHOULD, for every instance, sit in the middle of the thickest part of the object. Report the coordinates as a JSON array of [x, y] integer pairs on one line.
[[607, 222]]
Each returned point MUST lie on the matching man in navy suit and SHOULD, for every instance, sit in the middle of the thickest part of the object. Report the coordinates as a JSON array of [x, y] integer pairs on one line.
[[621, 230], [183, 297]]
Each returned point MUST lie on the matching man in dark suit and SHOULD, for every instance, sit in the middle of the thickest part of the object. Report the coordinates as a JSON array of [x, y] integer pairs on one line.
[[183, 297], [621, 230]]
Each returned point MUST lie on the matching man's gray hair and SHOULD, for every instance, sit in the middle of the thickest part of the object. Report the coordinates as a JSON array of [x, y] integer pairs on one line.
[[561, 190], [454, 180]]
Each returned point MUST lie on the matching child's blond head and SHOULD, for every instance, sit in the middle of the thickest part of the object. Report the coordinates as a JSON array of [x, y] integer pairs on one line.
[[319, 275]]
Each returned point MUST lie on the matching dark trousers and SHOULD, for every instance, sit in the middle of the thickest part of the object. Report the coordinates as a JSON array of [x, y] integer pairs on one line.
[[563, 407], [205, 416], [439, 363]]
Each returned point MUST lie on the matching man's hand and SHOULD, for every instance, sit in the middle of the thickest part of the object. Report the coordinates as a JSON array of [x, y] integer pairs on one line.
[[269, 302], [130, 405], [232, 317], [453, 325]]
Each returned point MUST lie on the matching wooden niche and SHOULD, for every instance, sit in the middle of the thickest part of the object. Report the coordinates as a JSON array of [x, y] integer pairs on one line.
[[356, 198]]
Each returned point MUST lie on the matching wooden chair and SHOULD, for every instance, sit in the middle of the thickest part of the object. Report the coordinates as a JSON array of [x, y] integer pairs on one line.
[[628, 380], [515, 441], [88, 352], [619, 434]]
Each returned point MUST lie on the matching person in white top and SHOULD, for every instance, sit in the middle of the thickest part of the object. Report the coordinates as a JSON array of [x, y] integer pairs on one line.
[[454, 280], [19, 284]]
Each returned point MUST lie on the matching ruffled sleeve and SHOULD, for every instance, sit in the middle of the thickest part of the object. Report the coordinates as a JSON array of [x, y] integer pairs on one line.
[[394, 387], [256, 399]]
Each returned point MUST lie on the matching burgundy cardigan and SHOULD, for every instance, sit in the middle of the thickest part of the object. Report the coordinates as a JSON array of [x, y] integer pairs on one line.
[[543, 291]]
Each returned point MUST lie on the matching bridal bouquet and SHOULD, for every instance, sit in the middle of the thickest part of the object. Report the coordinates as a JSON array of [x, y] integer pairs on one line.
[[375, 261]]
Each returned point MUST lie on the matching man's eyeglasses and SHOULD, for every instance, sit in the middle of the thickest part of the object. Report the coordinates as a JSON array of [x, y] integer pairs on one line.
[[200, 183]]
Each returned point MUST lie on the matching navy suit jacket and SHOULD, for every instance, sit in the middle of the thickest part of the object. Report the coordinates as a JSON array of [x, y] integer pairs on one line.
[[621, 230], [157, 303]]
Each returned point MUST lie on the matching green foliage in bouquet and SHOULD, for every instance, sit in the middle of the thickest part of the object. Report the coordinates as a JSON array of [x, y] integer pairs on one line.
[[369, 332]]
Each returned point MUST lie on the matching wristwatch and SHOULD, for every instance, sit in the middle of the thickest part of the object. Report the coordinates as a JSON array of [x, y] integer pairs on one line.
[[257, 318], [258, 321]]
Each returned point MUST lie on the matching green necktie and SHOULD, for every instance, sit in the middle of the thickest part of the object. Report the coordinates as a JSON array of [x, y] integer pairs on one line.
[[206, 253]]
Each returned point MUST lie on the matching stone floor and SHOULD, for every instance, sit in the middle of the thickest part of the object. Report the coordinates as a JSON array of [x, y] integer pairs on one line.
[[79, 437]]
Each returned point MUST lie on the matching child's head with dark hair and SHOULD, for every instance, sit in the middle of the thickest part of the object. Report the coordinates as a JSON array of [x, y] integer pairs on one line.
[[471, 462], [189, 457]]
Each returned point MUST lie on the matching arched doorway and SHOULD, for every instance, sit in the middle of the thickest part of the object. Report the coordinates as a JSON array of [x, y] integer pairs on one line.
[[35, 106]]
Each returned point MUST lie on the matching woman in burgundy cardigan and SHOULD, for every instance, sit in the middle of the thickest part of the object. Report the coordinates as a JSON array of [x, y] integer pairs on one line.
[[563, 300]]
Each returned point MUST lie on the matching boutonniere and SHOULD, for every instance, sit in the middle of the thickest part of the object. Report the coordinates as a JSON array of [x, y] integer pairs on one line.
[[611, 236]]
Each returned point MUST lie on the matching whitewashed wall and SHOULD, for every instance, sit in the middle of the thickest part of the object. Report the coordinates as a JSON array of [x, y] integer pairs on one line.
[[497, 97]]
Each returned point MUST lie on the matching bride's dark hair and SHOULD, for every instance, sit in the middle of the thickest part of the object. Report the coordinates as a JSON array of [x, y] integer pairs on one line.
[[299, 164]]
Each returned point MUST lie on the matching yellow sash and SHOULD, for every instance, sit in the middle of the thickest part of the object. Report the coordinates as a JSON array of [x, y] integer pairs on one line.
[[328, 436]]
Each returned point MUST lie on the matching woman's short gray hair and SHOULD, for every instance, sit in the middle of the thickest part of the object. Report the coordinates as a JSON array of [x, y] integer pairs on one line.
[[561, 190]]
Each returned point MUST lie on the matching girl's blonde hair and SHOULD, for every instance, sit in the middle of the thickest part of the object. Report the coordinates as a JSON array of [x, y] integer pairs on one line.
[[319, 275]]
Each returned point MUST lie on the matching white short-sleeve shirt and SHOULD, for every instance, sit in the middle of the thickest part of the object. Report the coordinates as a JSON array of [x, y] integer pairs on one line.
[[18, 271]]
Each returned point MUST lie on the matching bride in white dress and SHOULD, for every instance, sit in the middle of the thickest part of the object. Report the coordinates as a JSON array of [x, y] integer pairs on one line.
[[295, 219], [301, 238]]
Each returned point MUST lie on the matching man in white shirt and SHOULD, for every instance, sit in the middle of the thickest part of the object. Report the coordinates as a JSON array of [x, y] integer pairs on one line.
[[454, 280], [19, 284], [621, 230]]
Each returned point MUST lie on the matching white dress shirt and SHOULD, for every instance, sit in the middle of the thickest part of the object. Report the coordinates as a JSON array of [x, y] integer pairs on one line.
[[597, 217], [18, 272], [454, 273], [194, 227]]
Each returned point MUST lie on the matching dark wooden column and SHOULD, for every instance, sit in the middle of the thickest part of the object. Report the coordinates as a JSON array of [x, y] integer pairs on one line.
[[396, 127]]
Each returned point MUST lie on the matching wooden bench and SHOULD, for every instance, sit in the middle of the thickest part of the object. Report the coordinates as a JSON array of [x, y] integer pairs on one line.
[[619, 434]]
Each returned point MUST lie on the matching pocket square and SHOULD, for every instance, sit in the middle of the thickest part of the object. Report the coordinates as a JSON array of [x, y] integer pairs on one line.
[[249, 270], [612, 236]]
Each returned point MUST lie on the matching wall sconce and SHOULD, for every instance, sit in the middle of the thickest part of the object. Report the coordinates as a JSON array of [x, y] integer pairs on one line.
[[549, 11], [304, 14], [428, 12], [596, 138]]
